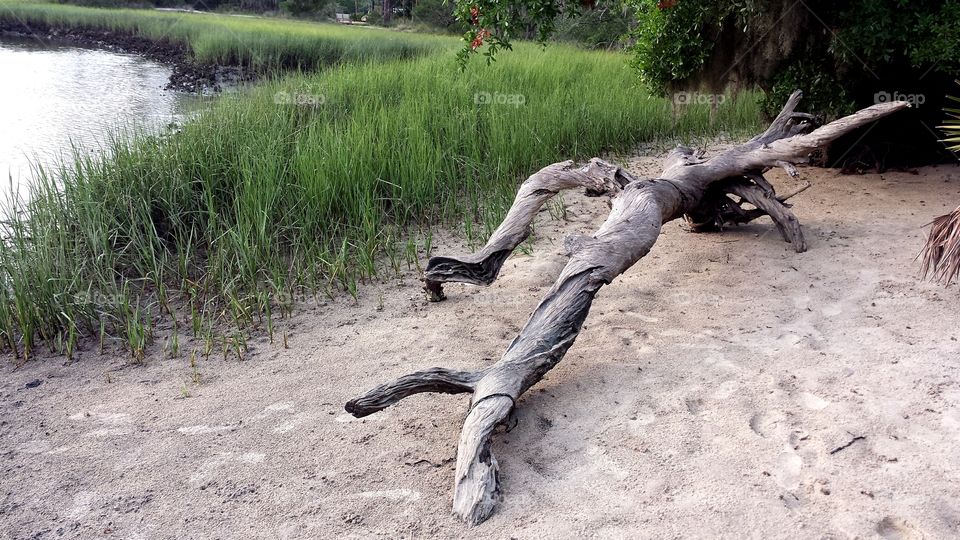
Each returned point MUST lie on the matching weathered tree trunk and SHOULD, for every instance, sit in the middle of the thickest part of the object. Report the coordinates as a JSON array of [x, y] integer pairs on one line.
[[688, 186]]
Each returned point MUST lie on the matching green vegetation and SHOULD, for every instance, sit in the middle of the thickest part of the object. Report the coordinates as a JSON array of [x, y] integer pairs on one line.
[[602, 27], [840, 53], [262, 44], [951, 126], [308, 184], [309, 8], [436, 14]]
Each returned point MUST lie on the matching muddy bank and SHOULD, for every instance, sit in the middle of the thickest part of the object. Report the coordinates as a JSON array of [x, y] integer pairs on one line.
[[188, 75]]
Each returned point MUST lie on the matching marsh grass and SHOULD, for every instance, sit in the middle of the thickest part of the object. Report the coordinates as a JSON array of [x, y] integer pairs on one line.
[[306, 186], [262, 44]]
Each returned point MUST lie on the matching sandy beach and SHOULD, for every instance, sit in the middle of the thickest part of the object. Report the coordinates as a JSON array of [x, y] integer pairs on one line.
[[724, 387]]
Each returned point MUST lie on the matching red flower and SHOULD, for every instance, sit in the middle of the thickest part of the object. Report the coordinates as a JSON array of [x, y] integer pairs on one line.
[[474, 14], [666, 4], [478, 39]]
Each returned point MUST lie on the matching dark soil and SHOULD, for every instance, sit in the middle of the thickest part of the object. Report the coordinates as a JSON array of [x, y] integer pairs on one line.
[[188, 75]]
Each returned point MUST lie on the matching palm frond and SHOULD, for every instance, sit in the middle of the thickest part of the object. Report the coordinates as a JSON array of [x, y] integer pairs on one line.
[[951, 126], [941, 253]]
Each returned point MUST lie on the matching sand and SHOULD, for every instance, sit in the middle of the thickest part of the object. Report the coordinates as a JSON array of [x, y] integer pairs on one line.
[[723, 387]]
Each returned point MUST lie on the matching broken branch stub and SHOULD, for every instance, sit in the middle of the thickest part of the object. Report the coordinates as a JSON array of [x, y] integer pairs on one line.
[[688, 185]]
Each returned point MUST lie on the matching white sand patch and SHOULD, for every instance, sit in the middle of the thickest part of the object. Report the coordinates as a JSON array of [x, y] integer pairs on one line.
[[252, 457], [36, 446], [202, 429], [402, 494], [279, 406], [813, 401]]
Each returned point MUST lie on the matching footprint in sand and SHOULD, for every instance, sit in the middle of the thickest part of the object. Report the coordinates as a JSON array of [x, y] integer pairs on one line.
[[767, 423], [111, 424], [787, 472], [894, 528], [719, 361], [82, 504], [644, 416], [694, 404], [832, 310], [279, 406], [641, 318], [214, 466], [951, 423], [632, 337], [285, 424], [209, 469], [291, 424], [726, 389], [813, 402]]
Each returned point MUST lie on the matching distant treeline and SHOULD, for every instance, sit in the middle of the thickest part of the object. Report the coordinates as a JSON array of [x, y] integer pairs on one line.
[[601, 27], [260, 6]]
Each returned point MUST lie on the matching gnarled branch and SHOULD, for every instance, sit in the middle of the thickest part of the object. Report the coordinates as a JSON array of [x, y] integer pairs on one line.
[[482, 267], [440, 380]]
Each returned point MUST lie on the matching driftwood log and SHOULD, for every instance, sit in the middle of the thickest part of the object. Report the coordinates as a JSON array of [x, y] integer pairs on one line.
[[711, 193]]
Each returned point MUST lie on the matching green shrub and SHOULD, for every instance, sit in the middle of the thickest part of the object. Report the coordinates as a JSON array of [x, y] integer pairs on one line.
[[375, 18], [437, 14], [300, 8], [600, 28]]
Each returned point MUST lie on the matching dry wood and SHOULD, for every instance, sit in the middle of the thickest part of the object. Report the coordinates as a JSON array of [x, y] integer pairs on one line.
[[689, 185], [482, 267]]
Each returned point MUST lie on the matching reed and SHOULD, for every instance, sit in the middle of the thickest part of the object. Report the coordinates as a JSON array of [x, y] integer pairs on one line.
[[263, 44], [308, 184]]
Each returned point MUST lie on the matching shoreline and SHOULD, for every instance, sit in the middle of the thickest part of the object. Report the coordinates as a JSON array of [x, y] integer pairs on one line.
[[724, 380], [187, 75], [312, 193]]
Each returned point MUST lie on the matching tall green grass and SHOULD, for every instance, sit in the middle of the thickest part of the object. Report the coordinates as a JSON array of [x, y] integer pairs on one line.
[[263, 44], [307, 185]]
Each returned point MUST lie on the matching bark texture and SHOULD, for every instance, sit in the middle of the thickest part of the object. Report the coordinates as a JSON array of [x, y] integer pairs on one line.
[[711, 193]]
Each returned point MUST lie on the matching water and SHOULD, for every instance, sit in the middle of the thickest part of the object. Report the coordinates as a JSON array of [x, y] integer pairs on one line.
[[55, 95]]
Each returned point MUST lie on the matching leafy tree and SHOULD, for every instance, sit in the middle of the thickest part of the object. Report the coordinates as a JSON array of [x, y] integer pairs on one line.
[[603, 27], [304, 8], [844, 54], [437, 14]]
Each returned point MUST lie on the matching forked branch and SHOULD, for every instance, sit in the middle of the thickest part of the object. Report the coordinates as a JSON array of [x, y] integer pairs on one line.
[[482, 267]]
